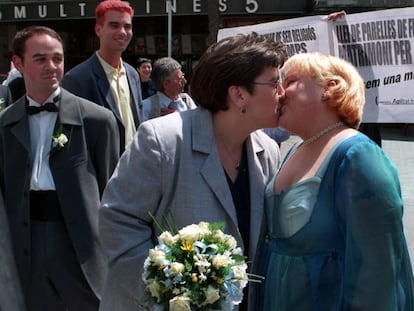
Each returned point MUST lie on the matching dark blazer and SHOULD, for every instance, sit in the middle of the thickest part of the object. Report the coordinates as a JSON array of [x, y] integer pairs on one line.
[[80, 171], [11, 298], [5, 97], [88, 80]]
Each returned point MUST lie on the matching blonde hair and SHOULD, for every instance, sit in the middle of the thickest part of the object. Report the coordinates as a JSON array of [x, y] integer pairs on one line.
[[347, 97]]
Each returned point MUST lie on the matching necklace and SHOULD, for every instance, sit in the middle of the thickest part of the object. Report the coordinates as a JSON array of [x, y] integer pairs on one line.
[[321, 133], [229, 154]]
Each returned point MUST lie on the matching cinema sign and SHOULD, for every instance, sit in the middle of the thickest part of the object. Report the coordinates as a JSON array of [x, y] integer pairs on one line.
[[49, 10]]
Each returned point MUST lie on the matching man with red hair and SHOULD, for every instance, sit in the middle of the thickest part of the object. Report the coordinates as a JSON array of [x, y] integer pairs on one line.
[[104, 78]]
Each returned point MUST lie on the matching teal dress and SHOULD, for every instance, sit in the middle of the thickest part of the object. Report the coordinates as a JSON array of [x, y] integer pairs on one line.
[[336, 240]]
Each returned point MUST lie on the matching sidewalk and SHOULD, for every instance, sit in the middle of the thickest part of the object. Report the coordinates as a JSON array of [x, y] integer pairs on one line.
[[398, 144]]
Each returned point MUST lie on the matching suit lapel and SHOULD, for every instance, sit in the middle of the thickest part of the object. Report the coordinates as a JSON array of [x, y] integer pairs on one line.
[[134, 88], [104, 86], [19, 122], [203, 141], [69, 116], [257, 188]]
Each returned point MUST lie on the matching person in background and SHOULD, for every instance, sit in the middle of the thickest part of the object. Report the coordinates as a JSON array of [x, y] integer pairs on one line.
[[17, 88], [278, 134], [105, 78], [334, 209], [11, 75], [144, 68], [68, 148], [206, 164], [5, 97], [15, 83], [169, 81]]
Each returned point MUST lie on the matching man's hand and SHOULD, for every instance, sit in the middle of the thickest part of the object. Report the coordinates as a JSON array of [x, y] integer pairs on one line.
[[334, 16]]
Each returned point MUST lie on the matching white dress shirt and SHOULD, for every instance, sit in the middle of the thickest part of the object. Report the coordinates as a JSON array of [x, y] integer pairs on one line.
[[41, 127]]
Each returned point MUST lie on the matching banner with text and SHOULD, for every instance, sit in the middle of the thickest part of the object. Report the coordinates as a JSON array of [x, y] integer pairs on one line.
[[380, 44]]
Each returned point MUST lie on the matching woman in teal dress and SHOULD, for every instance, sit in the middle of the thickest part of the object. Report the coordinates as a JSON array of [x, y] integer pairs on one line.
[[334, 209]]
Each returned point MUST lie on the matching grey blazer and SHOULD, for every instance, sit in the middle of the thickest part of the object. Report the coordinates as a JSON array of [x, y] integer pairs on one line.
[[88, 80], [80, 171], [172, 164]]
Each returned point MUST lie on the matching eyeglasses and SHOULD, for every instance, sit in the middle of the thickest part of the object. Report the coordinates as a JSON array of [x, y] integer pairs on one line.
[[273, 84]]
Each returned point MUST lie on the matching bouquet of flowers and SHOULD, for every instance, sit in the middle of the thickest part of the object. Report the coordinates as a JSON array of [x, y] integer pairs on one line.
[[198, 268]]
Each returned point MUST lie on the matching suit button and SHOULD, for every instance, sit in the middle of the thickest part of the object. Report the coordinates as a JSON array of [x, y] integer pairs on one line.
[[25, 223], [25, 251]]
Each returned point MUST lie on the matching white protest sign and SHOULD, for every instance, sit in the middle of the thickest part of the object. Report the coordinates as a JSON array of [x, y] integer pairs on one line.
[[380, 44]]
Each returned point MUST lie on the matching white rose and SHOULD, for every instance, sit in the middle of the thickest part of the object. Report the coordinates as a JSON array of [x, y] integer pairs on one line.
[[192, 233], [204, 226], [156, 255], [180, 303], [212, 295], [62, 140], [177, 268], [220, 236], [154, 289], [220, 261], [239, 272], [167, 238], [231, 241]]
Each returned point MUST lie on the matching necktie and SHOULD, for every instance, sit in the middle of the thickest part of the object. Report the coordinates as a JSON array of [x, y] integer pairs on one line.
[[173, 105], [51, 107]]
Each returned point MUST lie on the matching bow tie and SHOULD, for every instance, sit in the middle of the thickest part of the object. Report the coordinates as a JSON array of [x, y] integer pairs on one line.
[[51, 107]]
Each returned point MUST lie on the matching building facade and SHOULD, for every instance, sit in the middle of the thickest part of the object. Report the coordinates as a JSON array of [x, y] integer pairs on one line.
[[194, 23]]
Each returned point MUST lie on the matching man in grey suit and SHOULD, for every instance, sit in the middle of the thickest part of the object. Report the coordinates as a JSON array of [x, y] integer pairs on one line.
[[57, 152], [209, 164], [104, 78]]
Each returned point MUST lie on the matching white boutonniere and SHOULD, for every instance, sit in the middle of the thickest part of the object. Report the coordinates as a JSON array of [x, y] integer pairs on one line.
[[2, 103], [59, 139]]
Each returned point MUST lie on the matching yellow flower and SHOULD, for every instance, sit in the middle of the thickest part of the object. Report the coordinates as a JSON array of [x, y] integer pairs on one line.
[[187, 246]]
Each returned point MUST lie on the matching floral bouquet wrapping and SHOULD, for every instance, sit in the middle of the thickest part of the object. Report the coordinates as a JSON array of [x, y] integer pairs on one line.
[[199, 268]]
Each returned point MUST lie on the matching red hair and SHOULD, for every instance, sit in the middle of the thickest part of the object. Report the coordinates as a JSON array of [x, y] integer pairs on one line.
[[108, 5]]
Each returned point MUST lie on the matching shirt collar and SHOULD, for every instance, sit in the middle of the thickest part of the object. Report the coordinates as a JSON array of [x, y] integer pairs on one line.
[[54, 98], [109, 70]]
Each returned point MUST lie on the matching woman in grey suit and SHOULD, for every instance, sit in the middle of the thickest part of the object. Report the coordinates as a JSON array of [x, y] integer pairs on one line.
[[208, 164]]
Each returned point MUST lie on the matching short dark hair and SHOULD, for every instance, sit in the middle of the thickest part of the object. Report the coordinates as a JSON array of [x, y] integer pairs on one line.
[[235, 60], [143, 60], [19, 40]]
